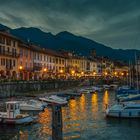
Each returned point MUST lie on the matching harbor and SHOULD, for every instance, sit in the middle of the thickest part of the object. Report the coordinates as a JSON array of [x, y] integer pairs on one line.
[[70, 70], [82, 118]]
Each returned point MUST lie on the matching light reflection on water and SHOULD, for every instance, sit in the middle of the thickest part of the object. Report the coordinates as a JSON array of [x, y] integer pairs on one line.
[[83, 118]]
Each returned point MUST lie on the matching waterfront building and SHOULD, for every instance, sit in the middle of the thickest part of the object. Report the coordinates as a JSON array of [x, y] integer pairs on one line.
[[76, 65], [25, 62], [121, 71], [9, 54]]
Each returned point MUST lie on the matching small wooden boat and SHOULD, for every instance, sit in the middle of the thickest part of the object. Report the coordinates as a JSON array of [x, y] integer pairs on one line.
[[13, 115]]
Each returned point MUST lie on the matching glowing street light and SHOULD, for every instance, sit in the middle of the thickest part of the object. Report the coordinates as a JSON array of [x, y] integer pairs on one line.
[[82, 73], [72, 72], [106, 73], [45, 70], [115, 73], [20, 67], [61, 71], [94, 73], [122, 74]]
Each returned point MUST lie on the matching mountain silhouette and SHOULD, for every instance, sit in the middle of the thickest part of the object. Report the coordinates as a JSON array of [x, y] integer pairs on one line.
[[68, 41]]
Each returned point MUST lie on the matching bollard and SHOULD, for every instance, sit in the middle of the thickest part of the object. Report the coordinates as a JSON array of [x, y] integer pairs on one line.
[[57, 122]]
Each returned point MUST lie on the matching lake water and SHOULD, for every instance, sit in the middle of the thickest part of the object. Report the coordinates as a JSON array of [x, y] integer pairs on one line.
[[83, 119]]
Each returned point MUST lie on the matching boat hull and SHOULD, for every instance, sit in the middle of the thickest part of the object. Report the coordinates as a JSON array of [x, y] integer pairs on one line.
[[31, 108], [123, 114], [13, 121]]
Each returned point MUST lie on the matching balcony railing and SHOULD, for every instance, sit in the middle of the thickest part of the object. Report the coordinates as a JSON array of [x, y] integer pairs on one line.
[[11, 54]]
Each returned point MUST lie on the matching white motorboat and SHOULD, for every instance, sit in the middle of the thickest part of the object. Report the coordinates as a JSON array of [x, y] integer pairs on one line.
[[124, 110], [31, 105], [106, 87], [41, 103], [97, 88], [87, 90], [129, 97], [13, 115], [54, 99]]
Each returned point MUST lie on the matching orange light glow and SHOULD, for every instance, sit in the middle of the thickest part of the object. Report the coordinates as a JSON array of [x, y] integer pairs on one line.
[[20, 67], [105, 99], [82, 102], [45, 69], [61, 71], [72, 72], [82, 72], [94, 100], [94, 73], [106, 73], [122, 74]]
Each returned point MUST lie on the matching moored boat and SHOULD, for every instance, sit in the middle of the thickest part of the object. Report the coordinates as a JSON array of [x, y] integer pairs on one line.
[[31, 105], [124, 110], [13, 115], [53, 99]]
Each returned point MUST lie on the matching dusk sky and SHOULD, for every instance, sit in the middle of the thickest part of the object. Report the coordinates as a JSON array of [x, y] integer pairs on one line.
[[115, 23]]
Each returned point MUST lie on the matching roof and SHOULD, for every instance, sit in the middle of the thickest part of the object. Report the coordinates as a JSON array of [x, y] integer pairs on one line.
[[12, 102]]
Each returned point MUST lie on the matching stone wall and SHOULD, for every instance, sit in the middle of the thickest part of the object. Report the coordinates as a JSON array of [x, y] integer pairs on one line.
[[9, 89]]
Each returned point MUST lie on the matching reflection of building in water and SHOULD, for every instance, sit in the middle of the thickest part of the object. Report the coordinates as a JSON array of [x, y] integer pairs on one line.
[[105, 99], [82, 103], [45, 119], [94, 100]]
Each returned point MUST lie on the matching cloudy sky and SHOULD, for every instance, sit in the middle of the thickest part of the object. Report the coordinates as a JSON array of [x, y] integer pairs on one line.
[[115, 23]]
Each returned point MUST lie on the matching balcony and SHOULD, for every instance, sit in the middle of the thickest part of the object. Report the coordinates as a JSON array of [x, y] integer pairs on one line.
[[10, 54]]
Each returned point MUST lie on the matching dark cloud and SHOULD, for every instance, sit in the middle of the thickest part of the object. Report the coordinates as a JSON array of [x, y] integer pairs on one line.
[[112, 22]]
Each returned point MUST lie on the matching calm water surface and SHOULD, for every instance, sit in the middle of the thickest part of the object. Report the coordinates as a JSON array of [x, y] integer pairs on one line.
[[83, 119]]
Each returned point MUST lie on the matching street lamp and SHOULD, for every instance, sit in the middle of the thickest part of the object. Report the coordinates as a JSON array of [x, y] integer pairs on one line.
[[106, 73], [45, 70], [82, 73], [72, 72], [122, 74], [61, 71], [94, 73], [20, 67]]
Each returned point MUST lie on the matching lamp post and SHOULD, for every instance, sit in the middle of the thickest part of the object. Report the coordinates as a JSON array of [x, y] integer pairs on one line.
[[20, 70], [44, 72]]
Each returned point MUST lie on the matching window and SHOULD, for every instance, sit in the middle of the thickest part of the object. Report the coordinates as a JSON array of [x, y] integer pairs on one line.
[[14, 43], [3, 61], [2, 40], [14, 63], [21, 52], [56, 60], [8, 49], [12, 107], [8, 42]]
